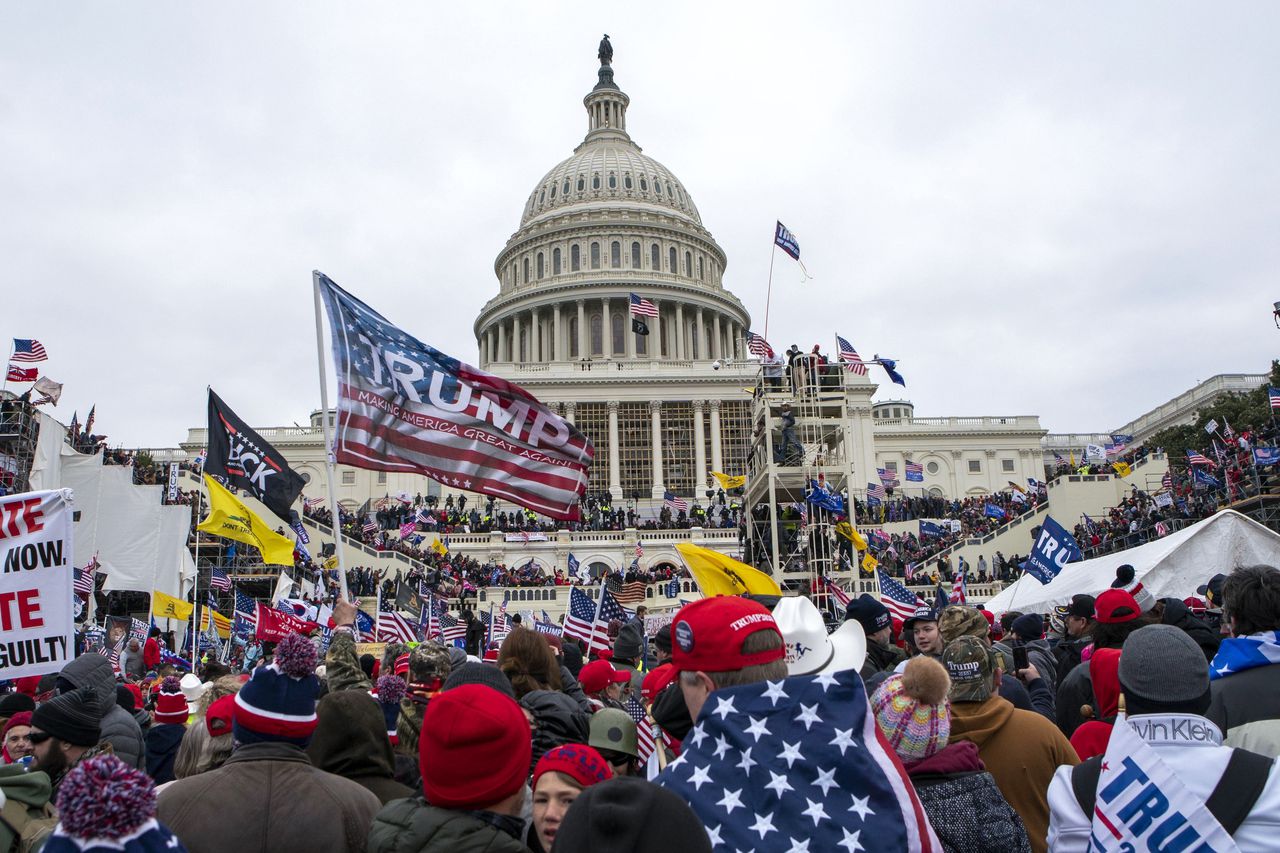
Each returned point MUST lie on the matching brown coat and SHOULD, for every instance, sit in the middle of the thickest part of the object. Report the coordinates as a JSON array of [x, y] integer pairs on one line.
[[1021, 749], [268, 798]]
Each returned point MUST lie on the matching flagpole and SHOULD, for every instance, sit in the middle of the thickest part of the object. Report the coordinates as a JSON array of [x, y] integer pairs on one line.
[[195, 578], [336, 520], [773, 253]]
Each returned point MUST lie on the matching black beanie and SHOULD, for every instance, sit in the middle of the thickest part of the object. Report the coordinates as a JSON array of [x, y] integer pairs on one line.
[[619, 816], [662, 639], [480, 673], [125, 698], [72, 717], [15, 703]]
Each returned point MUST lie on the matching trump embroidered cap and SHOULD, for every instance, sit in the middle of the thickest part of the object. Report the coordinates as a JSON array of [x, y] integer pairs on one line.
[[708, 635]]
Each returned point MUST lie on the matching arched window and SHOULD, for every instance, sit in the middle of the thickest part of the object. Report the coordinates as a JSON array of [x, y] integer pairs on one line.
[[526, 270], [615, 254], [644, 185], [524, 337], [582, 184], [595, 256], [595, 181], [664, 347], [688, 264], [626, 180], [597, 335], [655, 257], [575, 258], [657, 186], [671, 261], [555, 261], [553, 192], [542, 196], [541, 271], [642, 341], [700, 275], [613, 181], [515, 273], [694, 334], [635, 256], [619, 340], [574, 351], [565, 189]]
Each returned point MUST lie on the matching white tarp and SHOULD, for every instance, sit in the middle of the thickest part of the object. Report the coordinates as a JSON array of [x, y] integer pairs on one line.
[[51, 449], [1172, 567]]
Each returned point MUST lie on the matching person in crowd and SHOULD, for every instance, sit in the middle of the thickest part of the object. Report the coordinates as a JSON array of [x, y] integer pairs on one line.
[[1211, 590], [1028, 631], [64, 731], [151, 649], [1165, 681], [1126, 580], [207, 746], [14, 703], [351, 740], [1245, 672], [923, 628], [129, 697], [1175, 612], [118, 726], [16, 738], [1021, 749], [131, 661], [603, 685], [1026, 690], [164, 736], [633, 815], [1093, 734], [475, 754], [613, 735], [877, 625], [1077, 618], [569, 685], [297, 806], [105, 805], [787, 423], [964, 805], [1118, 615], [26, 807], [628, 650], [661, 646], [528, 662], [559, 777]]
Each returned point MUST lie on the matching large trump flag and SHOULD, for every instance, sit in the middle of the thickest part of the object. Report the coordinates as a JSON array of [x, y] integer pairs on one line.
[[405, 406]]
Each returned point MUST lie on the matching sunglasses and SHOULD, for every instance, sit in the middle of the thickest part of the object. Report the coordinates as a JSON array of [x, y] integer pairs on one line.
[[38, 737]]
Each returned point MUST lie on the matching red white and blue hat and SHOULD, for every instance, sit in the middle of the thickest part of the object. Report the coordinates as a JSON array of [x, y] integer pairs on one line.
[[279, 702]]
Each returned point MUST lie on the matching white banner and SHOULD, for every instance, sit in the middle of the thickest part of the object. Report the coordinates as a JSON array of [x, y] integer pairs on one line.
[[1164, 499], [526, 537], [36, 614], [1095, 453], [173, 482]]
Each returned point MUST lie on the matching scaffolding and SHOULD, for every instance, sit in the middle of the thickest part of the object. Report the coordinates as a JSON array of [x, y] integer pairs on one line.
[[19, 432]]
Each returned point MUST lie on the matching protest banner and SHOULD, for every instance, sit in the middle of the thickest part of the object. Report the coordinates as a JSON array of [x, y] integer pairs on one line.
[[1054, 548], [36, 615]]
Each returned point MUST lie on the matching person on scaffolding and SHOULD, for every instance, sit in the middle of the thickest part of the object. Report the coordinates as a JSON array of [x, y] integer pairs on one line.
[[782, 455]]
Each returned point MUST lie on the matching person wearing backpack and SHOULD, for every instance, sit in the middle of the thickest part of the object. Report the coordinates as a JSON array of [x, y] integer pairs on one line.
[[1164, 682], [27, 816]]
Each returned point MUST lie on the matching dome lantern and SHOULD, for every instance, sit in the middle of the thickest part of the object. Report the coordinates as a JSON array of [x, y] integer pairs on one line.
[[606, 104]]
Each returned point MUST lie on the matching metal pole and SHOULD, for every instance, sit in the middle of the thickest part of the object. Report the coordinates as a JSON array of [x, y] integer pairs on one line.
[[336, 520], [773, 252], [195, 586]]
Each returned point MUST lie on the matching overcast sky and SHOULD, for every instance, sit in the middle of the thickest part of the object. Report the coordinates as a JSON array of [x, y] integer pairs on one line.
[[1067, 210]]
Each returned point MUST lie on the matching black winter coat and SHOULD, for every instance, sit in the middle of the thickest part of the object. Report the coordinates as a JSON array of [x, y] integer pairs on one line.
[[413, 826], [1180, 616]]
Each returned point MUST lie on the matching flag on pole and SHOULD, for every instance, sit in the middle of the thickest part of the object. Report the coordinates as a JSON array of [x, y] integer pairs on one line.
[[168, 607], [837, 592], [242, 458], [28, 349], [23, 374], [405, 406], [218, 579], [676, 504], [641, 307], [394, 628], [728, 482], [958, 590], [757, 345], [915, 472], [231, 519], [893, 595], [1195, 458], [850, 358], [876, 490], [890, 366], [1273, 397], [787, 242], [84, 581]]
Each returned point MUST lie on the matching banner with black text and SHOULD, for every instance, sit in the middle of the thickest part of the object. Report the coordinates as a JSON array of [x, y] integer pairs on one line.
[[36, 612]]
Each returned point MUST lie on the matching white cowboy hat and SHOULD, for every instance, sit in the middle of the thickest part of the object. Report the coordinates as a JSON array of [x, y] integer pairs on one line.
[[810, 649]]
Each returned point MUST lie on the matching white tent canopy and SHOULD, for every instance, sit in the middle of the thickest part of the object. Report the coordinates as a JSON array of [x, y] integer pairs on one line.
[[1172, 567]]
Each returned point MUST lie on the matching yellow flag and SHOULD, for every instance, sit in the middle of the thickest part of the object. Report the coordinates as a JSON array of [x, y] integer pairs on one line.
[[221, 624], [168, 607], [1122, 468], [869, 563], [331, 563], [847, 530], [726, 482], [233, 520], [1071, 454], [439, 547], [717, 574]]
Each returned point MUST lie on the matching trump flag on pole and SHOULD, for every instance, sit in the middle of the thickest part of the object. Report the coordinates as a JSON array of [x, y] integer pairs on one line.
[[405, 406], [36, 619], [1054, 548]]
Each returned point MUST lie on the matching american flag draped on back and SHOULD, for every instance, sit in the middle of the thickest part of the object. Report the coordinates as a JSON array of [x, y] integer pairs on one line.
[[893, 595], [850, 357], [797, 765], [405, 406]]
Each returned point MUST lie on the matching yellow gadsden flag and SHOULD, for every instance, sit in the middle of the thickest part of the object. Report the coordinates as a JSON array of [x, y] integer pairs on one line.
[[869, 563], [845, 529], [717, 574], [1122, 468], [231, 519], [439, 547], [726, 482], [168, 607]]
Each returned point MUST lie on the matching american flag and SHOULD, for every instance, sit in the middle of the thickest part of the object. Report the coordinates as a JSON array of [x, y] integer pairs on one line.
[[757, 345], [1166, 482], [84, 578], [958, 590], [442, 418], [370, 526], [837, 592], [1057, 457], [803, 759], [584, 623], [677, 504], [915, 472], [630, 593], [641, 307], [113, 654], [218, 580], [850, 357], [888, 478], [312, 504], [1273, 396], [1195, 458], [875, 490], [646, 740], [246, 610], [394, 628], [28, 349], [893, 595], [451, 628]]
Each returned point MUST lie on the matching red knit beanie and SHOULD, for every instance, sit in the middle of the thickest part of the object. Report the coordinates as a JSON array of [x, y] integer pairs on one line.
[[475, 748], [171, 709], [579, 762]]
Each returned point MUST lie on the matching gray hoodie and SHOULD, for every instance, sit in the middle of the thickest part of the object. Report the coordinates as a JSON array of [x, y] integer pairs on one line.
[[119, 728]]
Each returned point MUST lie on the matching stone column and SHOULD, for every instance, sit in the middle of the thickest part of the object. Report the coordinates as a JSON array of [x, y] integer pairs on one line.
[[699, 448], [615, 468], [717, 348], [993, 476], [584, 345], [700, 347], [608, 328], [956, 459], [515, 339], [571, 412], [655, 434], [680, 330], [502, 340], [717, 460], [535, 337], [557, 341]]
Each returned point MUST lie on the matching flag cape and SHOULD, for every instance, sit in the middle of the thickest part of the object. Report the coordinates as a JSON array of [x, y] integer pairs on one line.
[[728, 482], [168, 607], [405, 406], [717, 574], [231, 519], [245, 460]]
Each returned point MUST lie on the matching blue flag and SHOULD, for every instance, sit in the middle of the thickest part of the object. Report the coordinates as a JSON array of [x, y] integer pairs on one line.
[[928, 528], [891, 367], [1053, 550], [1204, 478], [1121, 438], [1266, 455], [992, 511], [819, 496]]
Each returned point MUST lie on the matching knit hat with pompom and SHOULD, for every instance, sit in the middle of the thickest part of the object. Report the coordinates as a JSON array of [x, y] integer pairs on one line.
[[912, 709], [1125, 580], [171, 705], [279, 702], [106, 805], [391, 689]]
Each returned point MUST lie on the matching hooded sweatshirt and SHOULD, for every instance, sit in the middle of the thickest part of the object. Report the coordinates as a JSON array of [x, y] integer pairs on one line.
[[119, 728], [351, 741], [1093, 735], [1022, 750]]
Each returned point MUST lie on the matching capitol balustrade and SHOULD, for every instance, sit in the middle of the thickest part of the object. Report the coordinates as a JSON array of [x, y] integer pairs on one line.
[[620, 364], [1010, 422]]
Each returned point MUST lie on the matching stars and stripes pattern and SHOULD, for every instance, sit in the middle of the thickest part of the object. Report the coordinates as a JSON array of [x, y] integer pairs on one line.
[[312, 504], [85, 579], [888, 478], [850, 358], [219, 580], [451, 628], [797, 765], [893, 595], [676, 504], [246, 613], [456, 424], [915, 472], [1196, 458], [585, 623], [958, 591], [836, 592], [630, 593], [28, 350], [580, 617], [394, 628], [1273, 397], [1166, 482], [641, 307], [875, 490], [757, 345], [370, 526]]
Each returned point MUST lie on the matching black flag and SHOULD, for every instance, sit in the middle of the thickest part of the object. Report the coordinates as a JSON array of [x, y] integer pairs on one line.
[[239, 456], [638, 326]]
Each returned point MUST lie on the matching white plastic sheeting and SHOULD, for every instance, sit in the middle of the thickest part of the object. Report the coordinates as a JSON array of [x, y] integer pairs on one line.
[[1172, 567], [51, 449]]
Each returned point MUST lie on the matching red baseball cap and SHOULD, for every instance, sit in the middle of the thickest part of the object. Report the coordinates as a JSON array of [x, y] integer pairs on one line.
[[1116, 605], [656, 681], [599, 674], [709, 634]]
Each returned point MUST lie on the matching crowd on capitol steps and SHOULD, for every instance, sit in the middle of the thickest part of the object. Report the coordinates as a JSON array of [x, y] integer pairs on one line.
[[1115, 722]]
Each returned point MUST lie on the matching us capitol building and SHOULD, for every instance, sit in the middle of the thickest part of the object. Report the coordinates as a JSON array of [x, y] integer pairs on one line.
[[663, 409]]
